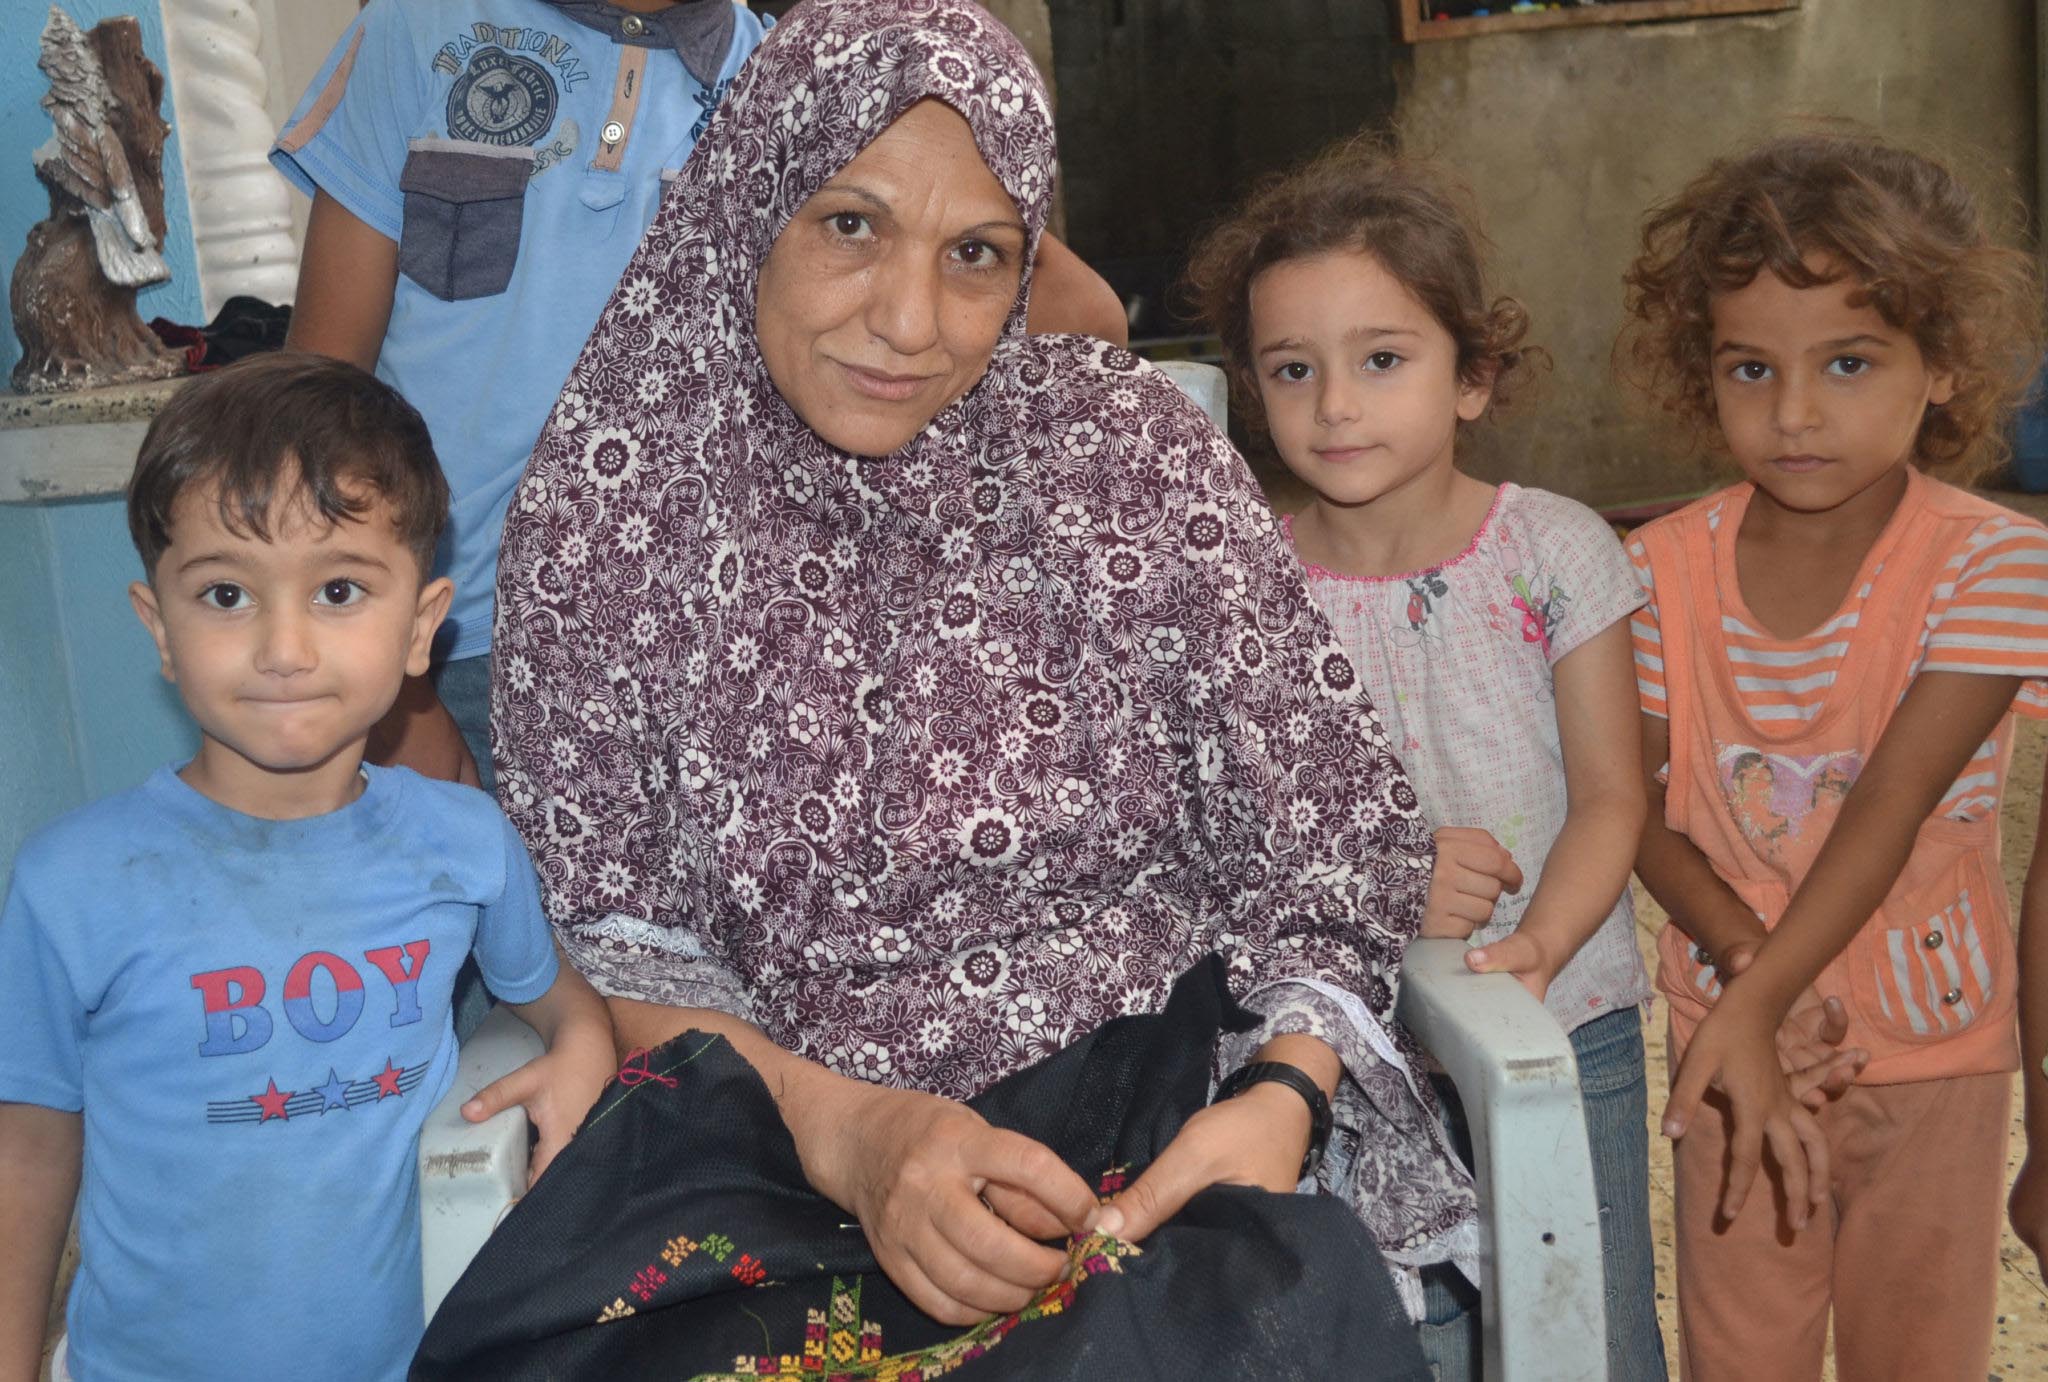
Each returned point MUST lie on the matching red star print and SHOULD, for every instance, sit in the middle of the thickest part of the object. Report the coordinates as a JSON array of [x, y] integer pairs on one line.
[[387, 1079], [272, 1103]]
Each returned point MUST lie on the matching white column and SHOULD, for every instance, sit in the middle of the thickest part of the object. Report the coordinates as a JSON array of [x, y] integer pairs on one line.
[[241, 207]]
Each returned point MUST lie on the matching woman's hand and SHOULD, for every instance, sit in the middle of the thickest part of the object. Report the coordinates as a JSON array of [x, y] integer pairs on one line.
[[1472, 871], [949, 1204], [1256, 1138], [1735, 1052]]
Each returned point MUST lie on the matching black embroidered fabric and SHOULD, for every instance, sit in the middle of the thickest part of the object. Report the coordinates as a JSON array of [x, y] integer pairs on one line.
[[676, 1237]]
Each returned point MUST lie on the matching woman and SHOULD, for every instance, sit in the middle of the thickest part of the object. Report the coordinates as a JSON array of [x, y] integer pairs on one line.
[[902, 697]]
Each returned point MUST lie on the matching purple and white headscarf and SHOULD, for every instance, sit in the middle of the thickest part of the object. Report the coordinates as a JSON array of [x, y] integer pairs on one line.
[[928, 763]]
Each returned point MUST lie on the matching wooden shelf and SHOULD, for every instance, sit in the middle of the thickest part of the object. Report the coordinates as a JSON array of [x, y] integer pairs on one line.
[[1417, 27]]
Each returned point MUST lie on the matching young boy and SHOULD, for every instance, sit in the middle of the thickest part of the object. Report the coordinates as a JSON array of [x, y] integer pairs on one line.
[[481, 172], [227, 990]]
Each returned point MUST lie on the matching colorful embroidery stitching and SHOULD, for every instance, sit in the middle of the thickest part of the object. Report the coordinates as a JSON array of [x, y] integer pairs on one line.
[[841, 1345]]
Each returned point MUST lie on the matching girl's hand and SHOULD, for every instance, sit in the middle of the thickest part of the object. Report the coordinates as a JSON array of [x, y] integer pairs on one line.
[[2028, 1207], [1522, 954], [1472, 871], [1809, 1039], [949, 1204], [1734, 1051], [557, 1090], [1256, 1138]]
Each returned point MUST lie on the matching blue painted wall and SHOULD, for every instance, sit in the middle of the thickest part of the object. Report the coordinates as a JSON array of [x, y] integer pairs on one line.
[[82, 709], [24, 126], [39, 770]]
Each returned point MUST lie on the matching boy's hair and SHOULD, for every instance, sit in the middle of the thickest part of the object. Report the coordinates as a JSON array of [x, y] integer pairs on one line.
[[288, 423], [1412, 217], [1900, 224]]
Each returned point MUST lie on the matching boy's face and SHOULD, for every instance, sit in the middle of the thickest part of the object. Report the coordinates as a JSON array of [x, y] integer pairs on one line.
[[1820, 398], [286, 651]]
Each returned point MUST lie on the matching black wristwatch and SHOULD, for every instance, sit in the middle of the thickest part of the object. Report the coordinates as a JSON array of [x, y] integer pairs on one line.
[[1296, 1079]]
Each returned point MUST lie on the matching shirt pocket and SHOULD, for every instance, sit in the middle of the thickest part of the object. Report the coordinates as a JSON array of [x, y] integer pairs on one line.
[[464, 202], [1935, 958]]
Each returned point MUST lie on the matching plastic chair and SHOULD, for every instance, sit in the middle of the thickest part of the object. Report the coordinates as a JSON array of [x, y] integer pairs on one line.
[[471, 1173], [1542, 1298]]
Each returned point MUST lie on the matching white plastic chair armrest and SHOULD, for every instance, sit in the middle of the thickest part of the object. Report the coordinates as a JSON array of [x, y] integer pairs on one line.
[[1542, 1299], [1204, 384], [469, 1172]]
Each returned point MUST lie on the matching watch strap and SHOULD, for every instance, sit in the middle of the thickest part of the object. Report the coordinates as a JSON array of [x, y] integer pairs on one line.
[[1298, 1080]]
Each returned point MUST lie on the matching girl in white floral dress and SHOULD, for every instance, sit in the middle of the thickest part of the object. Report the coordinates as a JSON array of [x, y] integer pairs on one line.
[[1489, 624]]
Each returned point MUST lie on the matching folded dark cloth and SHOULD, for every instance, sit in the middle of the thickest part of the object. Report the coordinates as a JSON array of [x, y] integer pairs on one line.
[[676, 1237], [243, 326]]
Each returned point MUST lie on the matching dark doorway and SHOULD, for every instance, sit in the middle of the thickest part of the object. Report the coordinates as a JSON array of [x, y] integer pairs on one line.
[[1169, 109]]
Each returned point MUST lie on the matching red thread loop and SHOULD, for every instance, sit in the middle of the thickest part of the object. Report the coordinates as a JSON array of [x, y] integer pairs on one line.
[[635, 1070]]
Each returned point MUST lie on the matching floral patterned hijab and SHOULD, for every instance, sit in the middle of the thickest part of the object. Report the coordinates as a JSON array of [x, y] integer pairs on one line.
[[931, 762]]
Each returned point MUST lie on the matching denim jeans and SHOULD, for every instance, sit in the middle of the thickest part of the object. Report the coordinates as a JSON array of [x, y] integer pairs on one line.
[[464, 686], [1612, 1087]]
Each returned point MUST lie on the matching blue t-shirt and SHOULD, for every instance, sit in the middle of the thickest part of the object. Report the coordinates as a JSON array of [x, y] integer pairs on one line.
[[254, 1017], [474, 133]]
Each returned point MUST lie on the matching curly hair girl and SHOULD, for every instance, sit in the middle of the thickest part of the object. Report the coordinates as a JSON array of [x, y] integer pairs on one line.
[[1818, 208]]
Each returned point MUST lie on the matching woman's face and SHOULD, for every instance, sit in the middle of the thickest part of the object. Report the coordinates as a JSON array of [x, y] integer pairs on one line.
[[884, 296]]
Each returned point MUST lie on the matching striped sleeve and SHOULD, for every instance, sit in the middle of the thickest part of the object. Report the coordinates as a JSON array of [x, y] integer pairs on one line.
[[1643, 634], [1990, 614]]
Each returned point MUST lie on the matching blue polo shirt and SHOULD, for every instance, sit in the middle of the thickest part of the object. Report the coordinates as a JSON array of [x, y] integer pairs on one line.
[[515, 150]]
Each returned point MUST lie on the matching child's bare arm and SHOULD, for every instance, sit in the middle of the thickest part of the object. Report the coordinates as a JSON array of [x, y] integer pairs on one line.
[[559, 1087], [39, 1159], [1067, 295], [1589, 863], [1685, 885], [1940, 724], [2029, 1203], [347, 277]]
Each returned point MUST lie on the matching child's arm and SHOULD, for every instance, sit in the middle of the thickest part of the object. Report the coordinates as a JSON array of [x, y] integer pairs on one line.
[[39, 1159], [2029, 1203], [1944, 718], [1067, 295], [1685, 885], [1470, 874], [348, 275], [559, 1087], [347, 278], [1589, 863], [1704, 907]]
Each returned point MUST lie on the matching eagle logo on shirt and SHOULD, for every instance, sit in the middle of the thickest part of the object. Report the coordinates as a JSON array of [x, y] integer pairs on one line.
[[502, 98]]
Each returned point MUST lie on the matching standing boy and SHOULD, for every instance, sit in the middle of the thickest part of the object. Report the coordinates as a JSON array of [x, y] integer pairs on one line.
[[225, 993]]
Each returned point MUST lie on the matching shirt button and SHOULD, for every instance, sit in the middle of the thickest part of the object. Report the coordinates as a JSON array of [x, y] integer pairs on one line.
[[613, 132], [632, 26], [1933, 941], [1952, 997], [1700, 955]]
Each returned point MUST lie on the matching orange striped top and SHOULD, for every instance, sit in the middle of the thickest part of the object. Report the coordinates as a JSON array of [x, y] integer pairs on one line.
[[1989, 616]]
